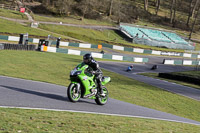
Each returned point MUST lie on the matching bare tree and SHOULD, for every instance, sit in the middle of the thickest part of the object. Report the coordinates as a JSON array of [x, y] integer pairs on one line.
[[64, 6], [46, 2], [86, 6], [117, 10], [146, 5], [192, 30], [174, 16], [189, 13], [157, 6], [110, 8], [194, 8], [172, 11]]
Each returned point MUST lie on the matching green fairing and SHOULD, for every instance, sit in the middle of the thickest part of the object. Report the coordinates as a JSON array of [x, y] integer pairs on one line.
[[88, 82], [86, 79]]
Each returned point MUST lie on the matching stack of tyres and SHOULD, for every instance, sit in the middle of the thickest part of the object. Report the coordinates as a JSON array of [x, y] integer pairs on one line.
[[1, 46], [19, 47]]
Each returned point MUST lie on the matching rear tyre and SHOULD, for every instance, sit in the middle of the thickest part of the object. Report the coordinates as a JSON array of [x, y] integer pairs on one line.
[[101, 100], [73, 92]]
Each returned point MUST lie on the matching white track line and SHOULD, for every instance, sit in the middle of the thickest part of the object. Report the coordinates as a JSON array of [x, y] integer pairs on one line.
[[86, 112], [34, 81]]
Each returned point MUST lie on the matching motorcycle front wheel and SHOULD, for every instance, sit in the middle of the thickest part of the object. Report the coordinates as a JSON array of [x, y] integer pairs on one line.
[[73, 92], [101, 100]]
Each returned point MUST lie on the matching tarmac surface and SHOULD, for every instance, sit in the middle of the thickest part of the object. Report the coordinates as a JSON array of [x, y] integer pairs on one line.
[[121, 67]]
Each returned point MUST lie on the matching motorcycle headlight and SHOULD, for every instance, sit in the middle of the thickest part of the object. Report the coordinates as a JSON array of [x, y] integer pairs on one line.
[[77, 72], [74, 72]]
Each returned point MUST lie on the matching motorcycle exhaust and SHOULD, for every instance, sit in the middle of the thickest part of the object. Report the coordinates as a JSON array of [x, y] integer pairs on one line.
[[89, 95], [94, 92]]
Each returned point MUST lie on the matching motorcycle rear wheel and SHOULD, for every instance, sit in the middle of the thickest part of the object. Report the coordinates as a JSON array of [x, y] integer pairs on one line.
[[73, 92], [102, 100]]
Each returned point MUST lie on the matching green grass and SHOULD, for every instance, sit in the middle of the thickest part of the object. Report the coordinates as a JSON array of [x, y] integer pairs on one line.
[[55, 68], [12, 14], [196, 73], [97, 36], [72, 20], [92, 36], [20, 120], [14, 28]]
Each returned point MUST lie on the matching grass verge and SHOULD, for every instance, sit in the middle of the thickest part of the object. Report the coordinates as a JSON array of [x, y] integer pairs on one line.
[[55, 68], [20, 120], [14, 28], [12, 14], [72, 20]]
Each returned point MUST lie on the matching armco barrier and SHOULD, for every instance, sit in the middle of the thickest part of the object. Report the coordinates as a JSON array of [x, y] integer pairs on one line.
[[19, 47], [154, 52], [94, 54], [116, 47], [181, 62]]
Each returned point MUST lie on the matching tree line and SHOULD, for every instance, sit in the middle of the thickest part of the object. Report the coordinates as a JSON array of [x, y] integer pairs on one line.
[[177, 13], [126, 10]]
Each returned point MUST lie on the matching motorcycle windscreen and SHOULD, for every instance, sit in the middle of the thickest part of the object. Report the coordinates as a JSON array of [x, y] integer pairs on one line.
[[105, 80]]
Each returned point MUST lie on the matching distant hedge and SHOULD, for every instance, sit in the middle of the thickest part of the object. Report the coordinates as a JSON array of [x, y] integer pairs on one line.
[[184, 78]]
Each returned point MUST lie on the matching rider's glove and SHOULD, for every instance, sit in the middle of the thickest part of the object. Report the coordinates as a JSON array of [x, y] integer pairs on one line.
[[93, 72]]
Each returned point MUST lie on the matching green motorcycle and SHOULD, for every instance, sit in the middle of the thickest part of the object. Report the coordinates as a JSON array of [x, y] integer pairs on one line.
[[84, 85]]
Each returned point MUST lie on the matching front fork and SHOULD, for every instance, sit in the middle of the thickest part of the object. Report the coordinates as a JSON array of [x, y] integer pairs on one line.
[[77, 86]]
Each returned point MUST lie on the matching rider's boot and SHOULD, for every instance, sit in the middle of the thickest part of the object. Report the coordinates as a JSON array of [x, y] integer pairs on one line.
[[101, 91]]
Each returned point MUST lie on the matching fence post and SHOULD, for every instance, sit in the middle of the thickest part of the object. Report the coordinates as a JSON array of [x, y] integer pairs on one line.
[[58, 42]]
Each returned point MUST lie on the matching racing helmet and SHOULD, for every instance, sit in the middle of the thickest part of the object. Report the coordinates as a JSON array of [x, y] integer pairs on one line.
[[87, 58]]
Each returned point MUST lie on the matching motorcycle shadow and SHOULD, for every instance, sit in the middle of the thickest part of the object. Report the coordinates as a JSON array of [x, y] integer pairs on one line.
[[89, 101], [42, 94], [127, 70]]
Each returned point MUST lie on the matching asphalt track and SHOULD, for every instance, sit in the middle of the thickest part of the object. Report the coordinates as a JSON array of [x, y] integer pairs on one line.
[[16, 92], [141, 68]]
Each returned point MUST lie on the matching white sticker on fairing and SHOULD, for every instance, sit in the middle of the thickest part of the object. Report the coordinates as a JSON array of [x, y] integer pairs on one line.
[[85, 78]]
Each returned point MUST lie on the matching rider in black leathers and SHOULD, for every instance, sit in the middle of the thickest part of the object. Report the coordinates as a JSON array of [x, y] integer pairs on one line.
[[88, 59]]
